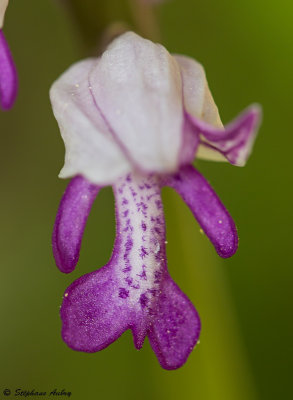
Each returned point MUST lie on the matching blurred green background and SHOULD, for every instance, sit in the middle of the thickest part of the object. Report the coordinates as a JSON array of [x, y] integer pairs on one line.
[[245, 303]]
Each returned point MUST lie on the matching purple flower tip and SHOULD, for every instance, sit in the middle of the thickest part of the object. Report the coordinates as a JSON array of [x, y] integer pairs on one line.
[[8, 75], [235, 141]]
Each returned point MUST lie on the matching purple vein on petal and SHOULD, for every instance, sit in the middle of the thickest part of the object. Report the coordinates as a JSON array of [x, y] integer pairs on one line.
[[207, 208], [235, 141], [8, 75], [70, 222]]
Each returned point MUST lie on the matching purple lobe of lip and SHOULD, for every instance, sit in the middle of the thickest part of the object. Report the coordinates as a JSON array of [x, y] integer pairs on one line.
[[207, 208], [176, 326], [8, 75], [70, 222], [93, 315]]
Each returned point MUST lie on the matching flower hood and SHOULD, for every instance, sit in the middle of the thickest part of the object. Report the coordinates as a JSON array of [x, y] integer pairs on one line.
[[136, 107]]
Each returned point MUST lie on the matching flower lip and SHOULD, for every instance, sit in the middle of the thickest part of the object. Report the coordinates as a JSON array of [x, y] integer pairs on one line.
[[134, 290]]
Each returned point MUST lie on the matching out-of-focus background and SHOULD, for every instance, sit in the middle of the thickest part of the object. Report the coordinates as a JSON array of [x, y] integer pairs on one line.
[[245, 303]]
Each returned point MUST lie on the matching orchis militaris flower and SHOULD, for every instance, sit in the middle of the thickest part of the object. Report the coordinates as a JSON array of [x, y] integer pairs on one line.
[[8, 74], [134, 119]]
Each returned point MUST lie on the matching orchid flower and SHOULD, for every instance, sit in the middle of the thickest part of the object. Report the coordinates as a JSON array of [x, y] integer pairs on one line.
[[8, 74], [134, 119]]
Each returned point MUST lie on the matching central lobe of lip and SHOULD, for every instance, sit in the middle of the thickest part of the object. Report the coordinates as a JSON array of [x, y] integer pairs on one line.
[[140, 242]]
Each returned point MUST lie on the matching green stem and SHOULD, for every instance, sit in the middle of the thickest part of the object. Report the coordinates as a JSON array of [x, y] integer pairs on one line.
[[219, 362]]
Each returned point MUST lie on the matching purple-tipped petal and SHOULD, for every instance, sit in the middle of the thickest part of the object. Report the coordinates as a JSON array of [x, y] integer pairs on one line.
[[176, 327], [93, 313], [70, 222], [235, 141], [207, 209], [8, 75]]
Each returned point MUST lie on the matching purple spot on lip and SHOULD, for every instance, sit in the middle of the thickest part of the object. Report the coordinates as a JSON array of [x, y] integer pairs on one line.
[[158, 204], [143, 300], [142, 207], [124, 201], [143, 275], [135, 286], [157, 230], [128, 244], [143, 226], [123, 293], [158, 276], [125, 213], [134, 194], [128, 281], [143, 252], [127, 268], [153, 292]]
